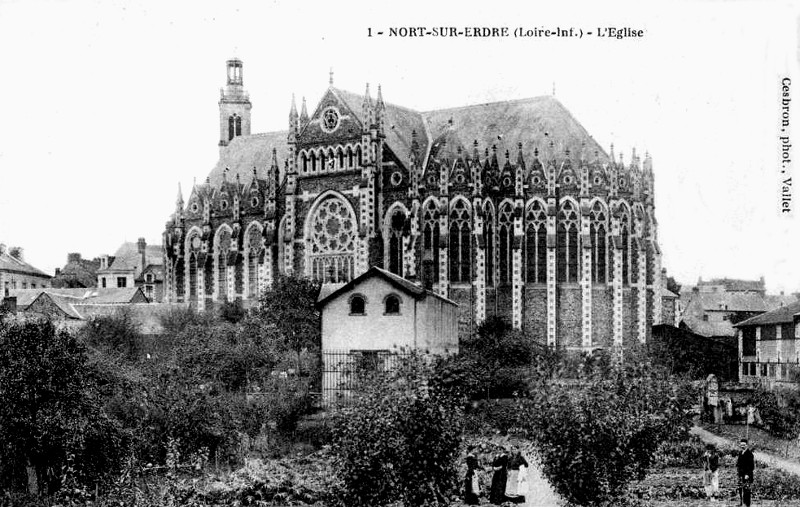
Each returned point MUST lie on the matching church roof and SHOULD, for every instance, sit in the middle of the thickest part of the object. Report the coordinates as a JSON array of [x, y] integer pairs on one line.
[[532, 122], [246, 152], [399, 122]]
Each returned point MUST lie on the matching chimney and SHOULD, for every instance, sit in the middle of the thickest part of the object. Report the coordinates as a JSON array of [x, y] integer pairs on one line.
[[16, 252], [9, 304], [142, 249], [104, 262]]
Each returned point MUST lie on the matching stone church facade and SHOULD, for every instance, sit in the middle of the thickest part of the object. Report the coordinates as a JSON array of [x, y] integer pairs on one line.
[[507, 208]]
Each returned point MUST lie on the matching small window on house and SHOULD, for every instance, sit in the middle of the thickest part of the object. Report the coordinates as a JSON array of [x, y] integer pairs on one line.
[[753, 369], [33, 286], [705, 318], [724, 317], [357, 305], [745, 369], [24, 285], [104, 282], [392, 305], [149, 277], [13, 285], [122, 281]]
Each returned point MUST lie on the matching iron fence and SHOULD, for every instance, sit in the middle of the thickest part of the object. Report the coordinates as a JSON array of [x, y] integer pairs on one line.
[[342, 371]]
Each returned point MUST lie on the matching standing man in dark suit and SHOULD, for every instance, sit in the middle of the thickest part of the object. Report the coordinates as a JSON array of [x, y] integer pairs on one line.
[[745, 465]]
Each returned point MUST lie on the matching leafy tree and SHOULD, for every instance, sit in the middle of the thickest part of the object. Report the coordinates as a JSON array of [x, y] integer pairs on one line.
[[291, 307], [497, 361], [398, 441], [598, 432], [48, 409], [117, 333]]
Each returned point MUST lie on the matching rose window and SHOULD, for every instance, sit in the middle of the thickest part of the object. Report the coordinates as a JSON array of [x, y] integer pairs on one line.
[[332, 245]]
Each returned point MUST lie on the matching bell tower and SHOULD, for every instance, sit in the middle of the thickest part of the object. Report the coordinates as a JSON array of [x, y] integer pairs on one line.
[[234, 106]]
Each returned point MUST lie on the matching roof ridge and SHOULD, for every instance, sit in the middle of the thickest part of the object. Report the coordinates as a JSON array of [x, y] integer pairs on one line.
[[387, 104], [510, 101]]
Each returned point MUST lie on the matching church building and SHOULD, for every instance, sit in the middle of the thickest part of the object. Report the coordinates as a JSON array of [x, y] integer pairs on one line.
[[508, 208]]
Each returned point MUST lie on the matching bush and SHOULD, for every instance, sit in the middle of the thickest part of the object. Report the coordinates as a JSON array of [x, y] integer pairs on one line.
[[49, 411], [398, 441], [117, 333], [779, 411], [597, 433]]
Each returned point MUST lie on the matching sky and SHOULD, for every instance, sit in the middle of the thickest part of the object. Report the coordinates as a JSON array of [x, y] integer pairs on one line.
[[108, 106]]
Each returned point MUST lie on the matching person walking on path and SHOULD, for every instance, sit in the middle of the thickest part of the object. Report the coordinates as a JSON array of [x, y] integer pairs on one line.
[[497, 495], [472, 486], [711, 472], [517, 462], [745, 466]]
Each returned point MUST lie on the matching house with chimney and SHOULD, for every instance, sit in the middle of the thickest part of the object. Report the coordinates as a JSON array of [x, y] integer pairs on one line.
[[134, 265], [15, 273], [713, 307]]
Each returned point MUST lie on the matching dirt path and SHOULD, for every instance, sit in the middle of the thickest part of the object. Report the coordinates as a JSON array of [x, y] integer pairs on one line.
[[539, 493], [792, 467]]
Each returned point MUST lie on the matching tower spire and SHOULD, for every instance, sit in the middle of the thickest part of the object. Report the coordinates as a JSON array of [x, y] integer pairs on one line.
[[234, 105], [303, 113]]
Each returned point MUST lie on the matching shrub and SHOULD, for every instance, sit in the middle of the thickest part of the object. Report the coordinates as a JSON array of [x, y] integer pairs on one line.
[[49, 410], [597, 433], [779, 411], [398, 441], [117, 333]]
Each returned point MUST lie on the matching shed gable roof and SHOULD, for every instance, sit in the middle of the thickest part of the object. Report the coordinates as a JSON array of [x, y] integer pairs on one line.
[[405, 286]]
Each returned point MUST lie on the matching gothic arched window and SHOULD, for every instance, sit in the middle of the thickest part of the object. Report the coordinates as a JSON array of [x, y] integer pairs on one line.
[[238, 125], [488, 234], [430, 245], [331, 241], [505, 237], [223, 247], [322, 160], [359, 157], [598, 238], [536, 244], [396, 224], [192, 277], [340, 155], [304, 159], [349, 157], [567, 243], [626, 242], [460, 249], [231, 127], [253, 254], [313, 161]]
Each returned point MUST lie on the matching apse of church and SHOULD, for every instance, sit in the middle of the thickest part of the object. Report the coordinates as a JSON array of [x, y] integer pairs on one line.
[[507, 208]]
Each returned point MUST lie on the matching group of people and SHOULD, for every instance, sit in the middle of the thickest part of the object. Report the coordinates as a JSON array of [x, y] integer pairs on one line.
[[509, 479], [745, 466]]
